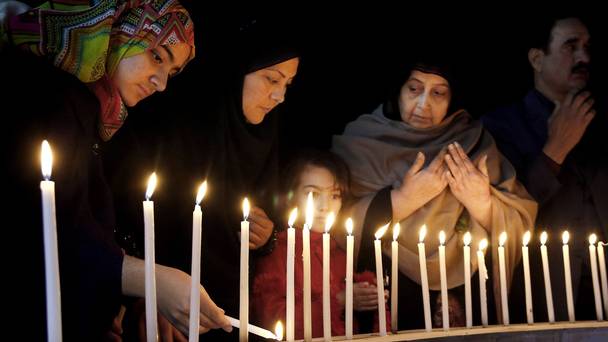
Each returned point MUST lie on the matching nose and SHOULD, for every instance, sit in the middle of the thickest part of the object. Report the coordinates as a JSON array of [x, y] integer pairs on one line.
[[159, 80], [583, 56], [323, 204], [422, 100], [278, 95]]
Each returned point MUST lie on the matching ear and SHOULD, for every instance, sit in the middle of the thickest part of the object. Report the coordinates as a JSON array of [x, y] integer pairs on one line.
[[535, 57]]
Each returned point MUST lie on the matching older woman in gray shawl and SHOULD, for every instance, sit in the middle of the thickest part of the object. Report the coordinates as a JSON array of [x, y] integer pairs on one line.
[[416, 161]]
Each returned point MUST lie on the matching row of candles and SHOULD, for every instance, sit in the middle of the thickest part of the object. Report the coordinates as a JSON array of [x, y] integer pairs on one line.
[[53, 292]]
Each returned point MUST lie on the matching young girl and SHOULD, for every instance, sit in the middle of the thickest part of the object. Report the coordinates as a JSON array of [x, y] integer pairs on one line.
[[326, 176]]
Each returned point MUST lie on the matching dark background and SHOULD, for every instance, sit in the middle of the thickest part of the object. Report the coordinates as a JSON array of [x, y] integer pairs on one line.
[[351, 56]]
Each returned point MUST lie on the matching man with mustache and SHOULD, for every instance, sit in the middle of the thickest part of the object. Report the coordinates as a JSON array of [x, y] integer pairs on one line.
[[550, 139]]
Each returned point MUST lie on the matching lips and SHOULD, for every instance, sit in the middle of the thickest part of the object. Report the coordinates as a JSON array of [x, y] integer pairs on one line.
[[144, 92]]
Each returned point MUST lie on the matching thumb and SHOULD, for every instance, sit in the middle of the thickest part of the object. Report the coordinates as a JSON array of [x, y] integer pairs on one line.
[[482, 165], [418, 163]]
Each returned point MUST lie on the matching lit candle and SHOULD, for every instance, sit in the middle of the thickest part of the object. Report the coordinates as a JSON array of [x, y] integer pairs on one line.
[[503, 278], [467, 279], [594, 277], [306, 257], [600, 254], [444, 283], [254, 329], [567, 276], [394, 277], [150, 265], [51, 263], [379, 280], [526, 262], [291, 247], [326, 291], [350, 241], [244, 295], [278, 331], [547, 275], [195, 296], [424, 280], [483, 276]]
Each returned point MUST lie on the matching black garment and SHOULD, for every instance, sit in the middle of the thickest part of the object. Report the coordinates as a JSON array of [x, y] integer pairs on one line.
[[573, 196], [47, 103]]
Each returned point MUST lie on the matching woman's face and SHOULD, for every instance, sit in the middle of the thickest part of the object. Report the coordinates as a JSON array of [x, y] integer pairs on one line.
[[265, 89], [326, 195], [424, 99], [139, 76]]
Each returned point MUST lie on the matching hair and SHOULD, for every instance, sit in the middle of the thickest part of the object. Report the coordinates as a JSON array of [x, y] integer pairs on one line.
[[541, 27], [324, 159]]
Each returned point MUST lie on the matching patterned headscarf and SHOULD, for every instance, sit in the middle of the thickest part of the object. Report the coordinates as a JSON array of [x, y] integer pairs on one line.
[[89, 38]]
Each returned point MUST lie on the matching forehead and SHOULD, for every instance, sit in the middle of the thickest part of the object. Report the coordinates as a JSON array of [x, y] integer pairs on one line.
[[568, 29], [427, 78], [287, 68], [317, 176]]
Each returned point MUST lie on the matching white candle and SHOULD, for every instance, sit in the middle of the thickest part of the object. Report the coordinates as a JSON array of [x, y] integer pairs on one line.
[[394, 277], [195, 296], [326, 290], [253, 329], [306, 258], [600, 254], [503, 278], [244, 293], [290, 305], [483, 276], [444, 283], [467, 279], [379, 280], [424, 280], [547, 275], [350, 241], [51, 260], [594, 277], [567, 276], [150, 265], [527, 284]]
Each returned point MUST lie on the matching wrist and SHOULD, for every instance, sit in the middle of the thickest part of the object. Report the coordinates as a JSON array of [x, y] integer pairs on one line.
[[554, 152]]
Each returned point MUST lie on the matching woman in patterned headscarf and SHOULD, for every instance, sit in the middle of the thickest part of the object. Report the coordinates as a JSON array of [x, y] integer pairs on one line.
[[98, 57]]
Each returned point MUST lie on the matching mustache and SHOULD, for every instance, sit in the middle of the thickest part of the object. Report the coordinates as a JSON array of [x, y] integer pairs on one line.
[[580, 67]]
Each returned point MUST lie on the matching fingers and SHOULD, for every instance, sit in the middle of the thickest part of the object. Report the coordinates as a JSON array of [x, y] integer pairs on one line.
[[214, 316], [454, 170], [580, 99], [437, 162], [482, 165], [178, 336], [418, 163]]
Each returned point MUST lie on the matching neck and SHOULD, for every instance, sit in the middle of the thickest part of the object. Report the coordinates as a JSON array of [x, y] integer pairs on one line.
[[552, 94]]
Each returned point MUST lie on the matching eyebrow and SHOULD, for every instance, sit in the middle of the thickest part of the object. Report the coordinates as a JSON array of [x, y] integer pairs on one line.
[[331, 187], [172, 59], [434, 84], [279, 71]]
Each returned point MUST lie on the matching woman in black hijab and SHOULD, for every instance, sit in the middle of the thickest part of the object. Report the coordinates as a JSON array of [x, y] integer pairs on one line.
[[228, 138]]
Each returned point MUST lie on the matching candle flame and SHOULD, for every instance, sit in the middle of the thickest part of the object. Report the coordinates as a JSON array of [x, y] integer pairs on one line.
[[381, 231], [310, 210], [502, 239], [349, 226], [396, 231], [592, 239], [526, 238], [467, 238], [483, 244], [278, 331], [292, 217], [543, 238], [46, 160], [422, 233], [329, 221], [151, 186], [202, 190], [441, 237], [246, 208], [565, 237]]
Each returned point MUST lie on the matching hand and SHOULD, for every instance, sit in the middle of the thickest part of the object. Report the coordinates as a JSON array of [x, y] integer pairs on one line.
[[166, 331], [115, 333], [469, 184], [173, 297], [260, 228], [365, 296], [567, 124], [419, 186]]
